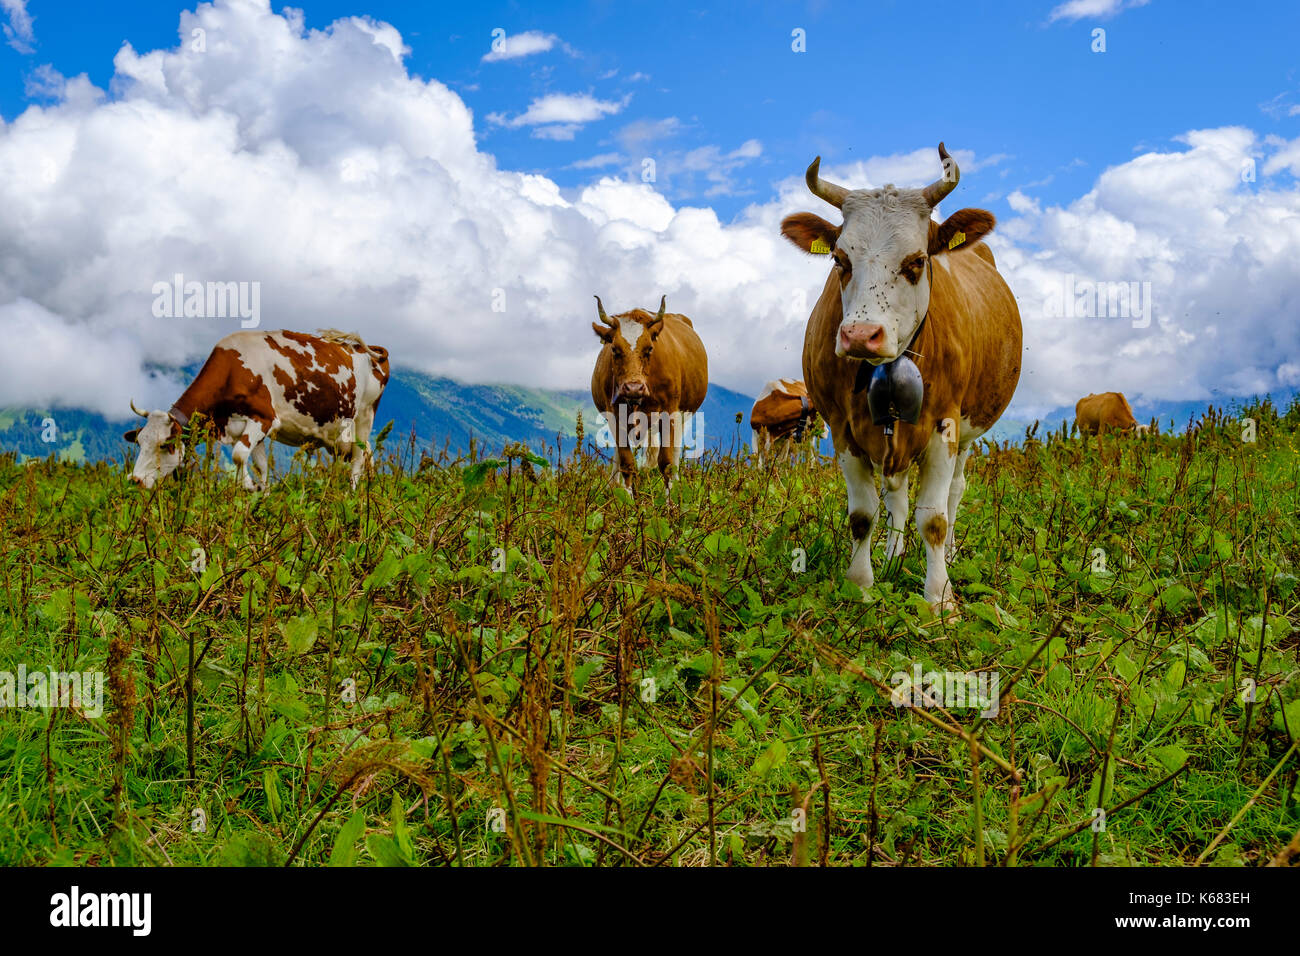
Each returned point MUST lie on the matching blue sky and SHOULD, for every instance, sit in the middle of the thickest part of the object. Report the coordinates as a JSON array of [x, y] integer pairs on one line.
[[1002, 79], [379, 166]]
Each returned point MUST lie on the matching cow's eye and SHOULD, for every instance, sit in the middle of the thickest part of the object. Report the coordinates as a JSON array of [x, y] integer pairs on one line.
[[912, 268], [618, 352], [168, 446], [843, 262]]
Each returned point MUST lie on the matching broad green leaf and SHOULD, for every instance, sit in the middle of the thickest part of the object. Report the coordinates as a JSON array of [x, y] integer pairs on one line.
[[388, 568], [771, 758], [384, 850], [1170, 756], [300, 633], [1177, 598], [271, 788]]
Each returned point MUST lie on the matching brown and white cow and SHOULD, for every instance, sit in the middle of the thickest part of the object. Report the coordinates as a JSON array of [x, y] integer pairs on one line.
[[1107, 411], [903, 283], [651, 372], [782, 416], [289, 387]]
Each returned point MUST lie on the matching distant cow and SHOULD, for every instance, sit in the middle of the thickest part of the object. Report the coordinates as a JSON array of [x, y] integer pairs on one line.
[[911, 353], [1108, 411], [290, 387], [652, 371], [782, 415]]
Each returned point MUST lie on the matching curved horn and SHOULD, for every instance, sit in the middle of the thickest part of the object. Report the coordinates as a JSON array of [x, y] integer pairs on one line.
[[946, 183], [137, 411], [603, 317], [663, 305], [824, 189]]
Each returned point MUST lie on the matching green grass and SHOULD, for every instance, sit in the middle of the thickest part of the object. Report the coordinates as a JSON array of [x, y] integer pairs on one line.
[[522, 689]]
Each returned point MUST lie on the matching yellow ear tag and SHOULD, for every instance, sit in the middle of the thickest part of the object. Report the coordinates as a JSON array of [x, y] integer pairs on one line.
[[819, 248], [957, 240]]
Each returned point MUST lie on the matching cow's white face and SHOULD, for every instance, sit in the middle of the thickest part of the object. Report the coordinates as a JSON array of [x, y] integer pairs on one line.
[[160, 448], [630, 338], [881, 255], [884, 256]]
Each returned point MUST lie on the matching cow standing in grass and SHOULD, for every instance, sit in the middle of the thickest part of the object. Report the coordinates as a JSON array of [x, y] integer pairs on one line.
[[902, 285], [1108, 411], [256, 387], [651, 372], [781, 417]]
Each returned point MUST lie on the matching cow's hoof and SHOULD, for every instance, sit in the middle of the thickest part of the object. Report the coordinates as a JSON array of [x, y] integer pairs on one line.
[[864, 582], [945, 611]]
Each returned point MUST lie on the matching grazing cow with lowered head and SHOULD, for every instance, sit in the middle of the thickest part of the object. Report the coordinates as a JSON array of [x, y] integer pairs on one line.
[[1109, 411], [651, 372], [911, 353], [782, 415], [290, 387]]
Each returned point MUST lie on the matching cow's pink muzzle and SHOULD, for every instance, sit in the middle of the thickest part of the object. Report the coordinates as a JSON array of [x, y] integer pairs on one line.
[[862, 339]]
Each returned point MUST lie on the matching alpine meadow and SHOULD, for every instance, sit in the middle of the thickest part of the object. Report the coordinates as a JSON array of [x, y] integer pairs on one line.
[[479, 661]]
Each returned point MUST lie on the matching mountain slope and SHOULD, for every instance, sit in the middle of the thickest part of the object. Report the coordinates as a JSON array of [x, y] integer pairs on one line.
[[446, 414], [443, 414]]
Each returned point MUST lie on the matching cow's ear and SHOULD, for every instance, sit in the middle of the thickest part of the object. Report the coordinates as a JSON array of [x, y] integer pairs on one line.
[[603, 332], [961, 230], [654, 328], [810, 233], [132, 435]]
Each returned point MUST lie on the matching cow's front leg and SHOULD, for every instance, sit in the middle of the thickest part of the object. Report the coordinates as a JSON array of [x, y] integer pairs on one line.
[[669, 432], [354, 445], [625, 467], [864, 512], [938, 464], [896, 505], [955, 491]]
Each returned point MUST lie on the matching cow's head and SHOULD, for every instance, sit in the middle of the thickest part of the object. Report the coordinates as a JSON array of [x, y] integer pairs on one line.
[[630, 338], [160, 444], [883, 255]]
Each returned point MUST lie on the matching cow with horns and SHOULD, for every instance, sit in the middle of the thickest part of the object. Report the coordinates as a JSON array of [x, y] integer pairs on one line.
[[256, 387], [651, 372], [911, 353]]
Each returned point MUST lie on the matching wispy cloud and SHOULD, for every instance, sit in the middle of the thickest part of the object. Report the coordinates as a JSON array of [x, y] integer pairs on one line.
[[704, 171], [639, 134], [515, 46], [560, 115], [1078, 9], [599, 161], [18, 31]]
